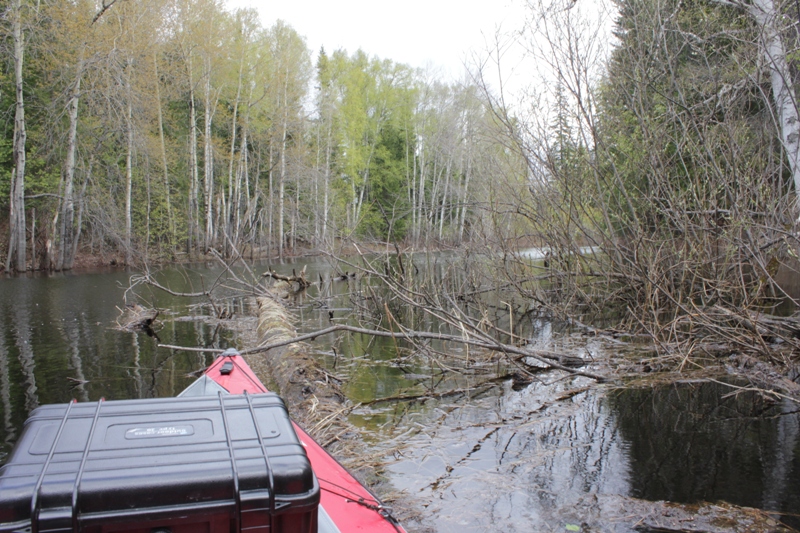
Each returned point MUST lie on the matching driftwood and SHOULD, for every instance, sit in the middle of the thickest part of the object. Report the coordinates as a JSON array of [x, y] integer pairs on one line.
[[301, 282], [136, 318]]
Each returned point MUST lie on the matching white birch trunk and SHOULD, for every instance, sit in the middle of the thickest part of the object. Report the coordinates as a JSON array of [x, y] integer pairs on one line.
[[81, 203], [465, 196], [326, 184], [208, 155], [281, 191], [231, 191], [243, 187], [767, 16], [16, 246], [248, 201], [270, 242], [282, 177], [421, 195], [317, 231], [65, 259], [194, 192], [444, 196], [129, 179]]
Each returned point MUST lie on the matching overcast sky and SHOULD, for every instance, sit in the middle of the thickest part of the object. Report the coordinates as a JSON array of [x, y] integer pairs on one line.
[[420, 33]]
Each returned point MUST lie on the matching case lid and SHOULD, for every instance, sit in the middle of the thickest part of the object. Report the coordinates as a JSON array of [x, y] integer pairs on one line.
[[203, 386], [79, 459]]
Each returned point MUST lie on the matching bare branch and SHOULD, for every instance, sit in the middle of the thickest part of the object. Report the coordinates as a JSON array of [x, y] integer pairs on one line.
[[546, 358], [105, 7], [730, 3], [189, 349]]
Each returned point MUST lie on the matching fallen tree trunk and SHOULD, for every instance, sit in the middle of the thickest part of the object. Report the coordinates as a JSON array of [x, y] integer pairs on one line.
[[311, 394]]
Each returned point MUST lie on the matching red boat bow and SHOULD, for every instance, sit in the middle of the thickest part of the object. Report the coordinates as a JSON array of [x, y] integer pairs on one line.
[[350, 506]]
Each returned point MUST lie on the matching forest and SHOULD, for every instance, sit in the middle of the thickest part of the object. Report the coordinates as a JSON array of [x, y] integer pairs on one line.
[[162, 129], [657, 163]]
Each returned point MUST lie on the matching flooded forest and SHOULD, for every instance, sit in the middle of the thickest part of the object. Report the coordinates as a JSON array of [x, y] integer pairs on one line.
[[559, 295]]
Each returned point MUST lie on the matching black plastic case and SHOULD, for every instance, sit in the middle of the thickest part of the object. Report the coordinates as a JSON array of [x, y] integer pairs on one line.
[[197, 464]]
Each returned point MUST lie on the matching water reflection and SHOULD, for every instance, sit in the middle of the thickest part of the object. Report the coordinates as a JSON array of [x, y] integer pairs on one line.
[[695, 442], [783, 468], [520, 461], [72, 335], [21, 323], [516, 458], [5, 398], [59, 340]]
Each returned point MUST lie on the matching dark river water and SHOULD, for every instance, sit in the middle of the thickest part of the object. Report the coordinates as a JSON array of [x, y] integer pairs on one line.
[[488, 455]]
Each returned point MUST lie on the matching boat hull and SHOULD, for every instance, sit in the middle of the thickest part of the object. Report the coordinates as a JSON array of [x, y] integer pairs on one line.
[[350, 505]]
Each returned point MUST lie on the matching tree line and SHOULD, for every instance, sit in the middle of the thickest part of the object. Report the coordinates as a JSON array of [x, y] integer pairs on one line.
[[164, 128]]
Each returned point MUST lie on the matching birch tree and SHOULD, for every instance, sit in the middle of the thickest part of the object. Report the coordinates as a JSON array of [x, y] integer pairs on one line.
[[326, 108], [17, 246], [245, 31], [85, 40], [291, 71], [769, 18], [163, 148]]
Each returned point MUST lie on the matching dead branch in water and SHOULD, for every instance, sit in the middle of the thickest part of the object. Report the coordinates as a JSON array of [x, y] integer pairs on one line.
[[546, 358], [188, 349], [301, 281], [136, 317]]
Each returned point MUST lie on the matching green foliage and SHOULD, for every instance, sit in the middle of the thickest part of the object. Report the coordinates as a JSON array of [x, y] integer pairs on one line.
[[373, 100], [388, 213], [6, 169], [678, 113]]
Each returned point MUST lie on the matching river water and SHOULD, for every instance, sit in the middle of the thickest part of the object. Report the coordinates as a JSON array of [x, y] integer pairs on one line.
[[551, 455]]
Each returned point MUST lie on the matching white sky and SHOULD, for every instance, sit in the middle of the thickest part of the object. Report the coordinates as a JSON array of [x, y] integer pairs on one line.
[[441, 34]]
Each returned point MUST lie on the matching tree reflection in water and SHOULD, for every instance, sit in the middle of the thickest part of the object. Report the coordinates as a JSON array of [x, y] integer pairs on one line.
[[520, 461], [696, 442]]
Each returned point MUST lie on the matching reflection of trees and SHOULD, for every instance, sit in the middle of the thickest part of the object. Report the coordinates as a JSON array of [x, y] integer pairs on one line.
[[22, 328], [72, 335], [517, 462], [783, 467], [574, 455], [5, 395], [137, 371], [58, 327], [692, 443]]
